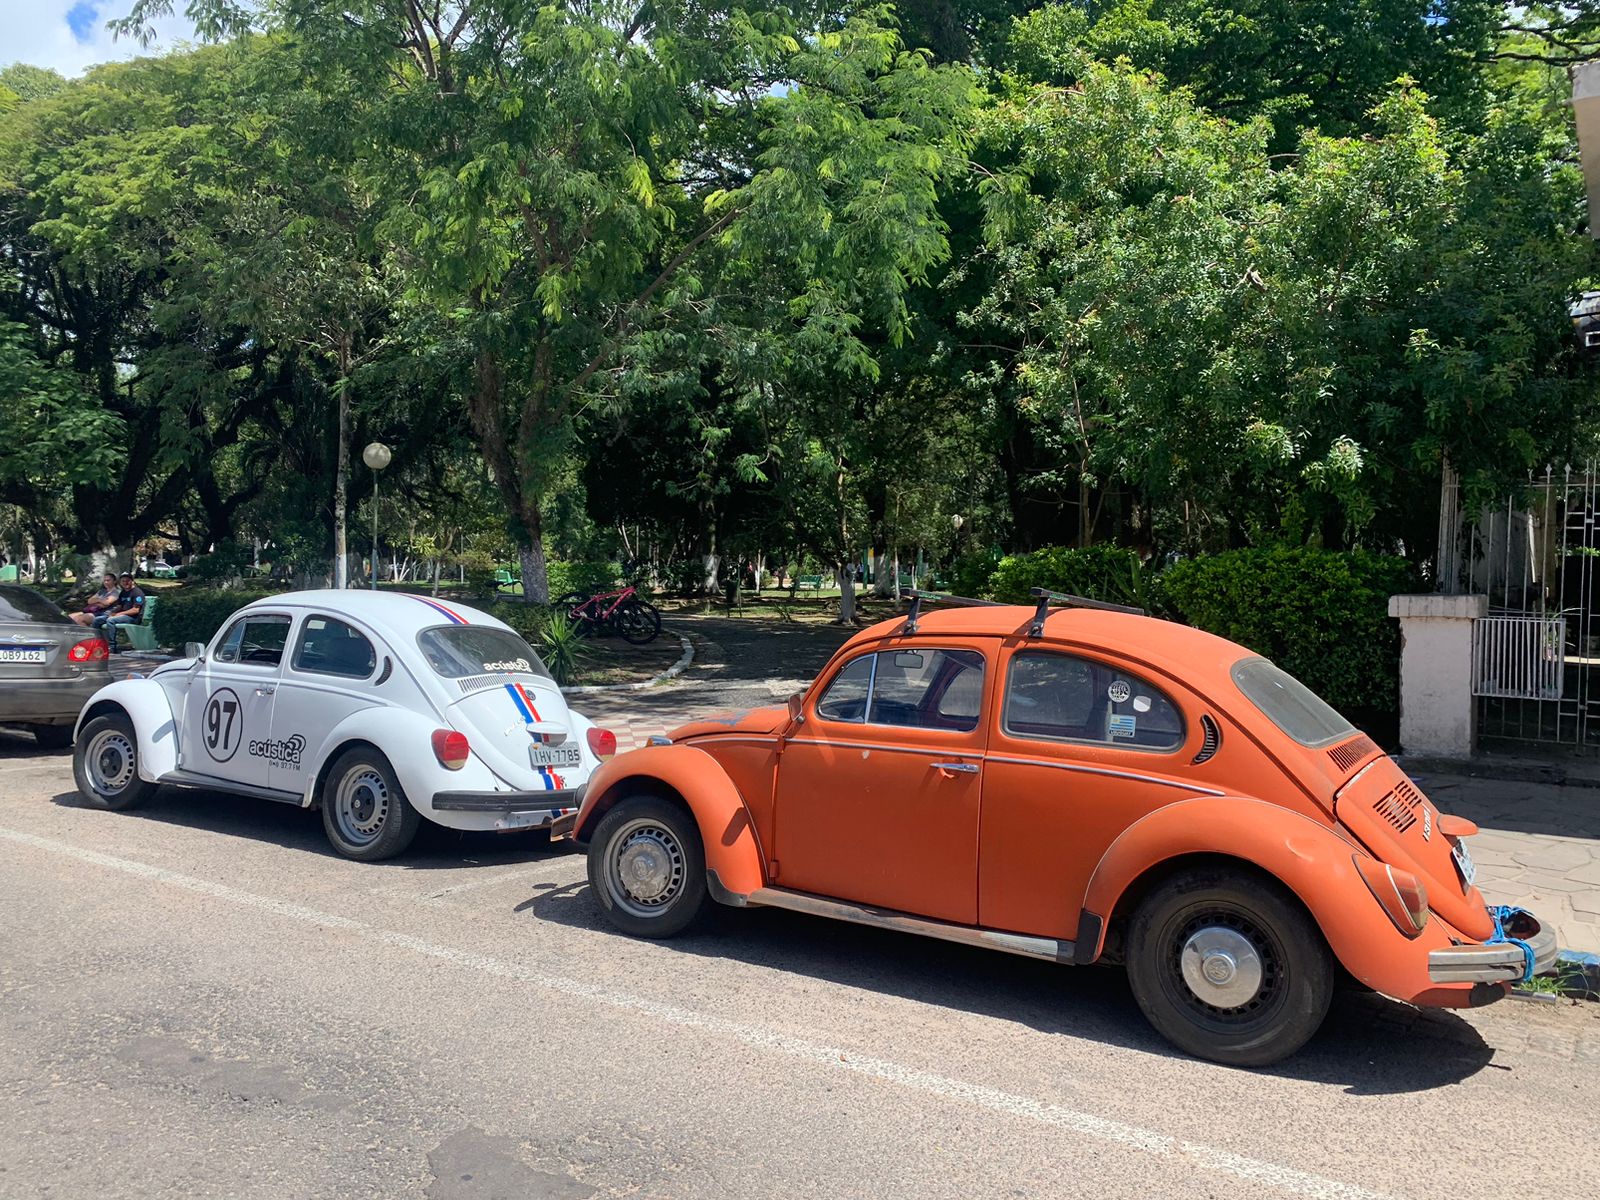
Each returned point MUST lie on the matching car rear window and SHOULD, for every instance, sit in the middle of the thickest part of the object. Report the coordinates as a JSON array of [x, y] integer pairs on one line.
[[26, 605], [1289, 704], [457, 651]]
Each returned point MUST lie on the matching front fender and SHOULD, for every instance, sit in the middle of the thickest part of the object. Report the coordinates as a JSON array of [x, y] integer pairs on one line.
[[405, 738], [155, 726], [725, 827], [1308, 858]]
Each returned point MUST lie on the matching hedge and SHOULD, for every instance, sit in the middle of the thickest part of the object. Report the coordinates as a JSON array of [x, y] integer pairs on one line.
[[1109, 573], [190, 614], [1321, 615]]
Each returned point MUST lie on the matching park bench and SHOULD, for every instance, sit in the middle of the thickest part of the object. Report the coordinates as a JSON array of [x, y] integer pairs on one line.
[[809, 581], [143, 635], [504, 580]]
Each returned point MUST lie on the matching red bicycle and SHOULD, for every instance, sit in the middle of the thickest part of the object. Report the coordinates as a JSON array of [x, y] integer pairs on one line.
[[636, 621]]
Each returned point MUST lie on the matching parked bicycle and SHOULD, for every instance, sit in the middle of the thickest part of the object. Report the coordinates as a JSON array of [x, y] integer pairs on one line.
[[635, 620]]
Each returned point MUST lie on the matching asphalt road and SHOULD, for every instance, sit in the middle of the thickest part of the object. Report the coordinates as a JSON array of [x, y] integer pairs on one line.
[[199, 999]]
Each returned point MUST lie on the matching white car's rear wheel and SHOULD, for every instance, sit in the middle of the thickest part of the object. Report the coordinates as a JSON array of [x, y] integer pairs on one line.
[[364, 811], [105, 764]]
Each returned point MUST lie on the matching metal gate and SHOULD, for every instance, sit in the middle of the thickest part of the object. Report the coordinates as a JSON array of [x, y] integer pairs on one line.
[[1536, 657]]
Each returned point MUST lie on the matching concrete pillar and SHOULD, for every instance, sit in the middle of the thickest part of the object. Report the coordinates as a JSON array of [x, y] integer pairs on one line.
[[1438, 716], [1586, 110]]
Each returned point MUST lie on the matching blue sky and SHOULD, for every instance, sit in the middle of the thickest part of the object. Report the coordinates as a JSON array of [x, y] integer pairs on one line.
[[70, 35], [81, 20]]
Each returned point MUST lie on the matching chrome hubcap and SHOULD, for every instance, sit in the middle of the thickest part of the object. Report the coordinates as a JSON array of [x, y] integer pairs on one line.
[[110, 759], [645, 869], [1221, 967], [362, 804]]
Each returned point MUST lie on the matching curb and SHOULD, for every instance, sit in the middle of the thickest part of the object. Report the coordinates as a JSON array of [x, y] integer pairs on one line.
[[671, 672]]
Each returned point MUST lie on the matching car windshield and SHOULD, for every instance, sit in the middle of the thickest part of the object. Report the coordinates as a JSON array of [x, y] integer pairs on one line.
[[28, 606], [456, 651], [1290, 704]]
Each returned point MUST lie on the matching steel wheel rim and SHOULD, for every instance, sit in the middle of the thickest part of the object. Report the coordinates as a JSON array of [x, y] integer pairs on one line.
[[361, 805], [1257, 968], [645, 868], [111, 760]]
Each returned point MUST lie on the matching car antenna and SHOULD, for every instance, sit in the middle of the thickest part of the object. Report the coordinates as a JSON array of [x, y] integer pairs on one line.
[[1067, 600], [916, 597]]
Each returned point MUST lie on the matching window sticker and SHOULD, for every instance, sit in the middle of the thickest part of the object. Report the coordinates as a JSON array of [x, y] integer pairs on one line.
[[1122, 727], [1119, 691], [1141, 704]]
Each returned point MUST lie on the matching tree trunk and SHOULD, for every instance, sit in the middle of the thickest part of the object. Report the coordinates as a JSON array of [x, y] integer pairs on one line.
[[847, 593], [535, 575], [883, 586], [433, 582], [341, 472]]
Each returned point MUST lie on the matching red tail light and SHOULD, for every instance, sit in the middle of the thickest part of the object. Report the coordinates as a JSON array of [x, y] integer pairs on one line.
[[451, 748], [603, 743], [89, 650], [1400, 893]]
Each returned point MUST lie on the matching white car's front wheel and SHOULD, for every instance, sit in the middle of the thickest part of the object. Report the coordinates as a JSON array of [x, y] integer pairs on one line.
[[105, 764], [364, 811]]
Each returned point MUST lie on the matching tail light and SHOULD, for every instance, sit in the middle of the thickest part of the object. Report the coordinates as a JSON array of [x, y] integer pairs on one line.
[[451, 748], [1399, 893], [603, 743], [89, 650]]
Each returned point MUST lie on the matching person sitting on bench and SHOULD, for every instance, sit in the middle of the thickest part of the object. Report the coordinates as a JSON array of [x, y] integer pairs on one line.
[[126, 609], [99, 602]]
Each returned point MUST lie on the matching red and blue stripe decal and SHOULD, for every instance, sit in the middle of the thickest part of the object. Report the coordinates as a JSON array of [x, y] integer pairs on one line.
[[447, 614], [530, 713]]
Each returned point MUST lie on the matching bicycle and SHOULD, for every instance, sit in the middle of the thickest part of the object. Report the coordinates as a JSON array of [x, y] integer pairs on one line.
[[635, 620]]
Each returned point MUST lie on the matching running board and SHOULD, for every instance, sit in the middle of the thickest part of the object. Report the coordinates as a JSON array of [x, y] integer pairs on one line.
[[1049, 949], [182, 778]]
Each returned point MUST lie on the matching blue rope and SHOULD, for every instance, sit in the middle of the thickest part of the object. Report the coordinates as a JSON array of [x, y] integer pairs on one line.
[[1502, 914]]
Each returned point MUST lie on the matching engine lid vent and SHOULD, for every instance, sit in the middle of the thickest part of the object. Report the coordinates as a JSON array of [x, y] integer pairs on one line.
[[1346, 755], [1399, 807], [1211, 744]]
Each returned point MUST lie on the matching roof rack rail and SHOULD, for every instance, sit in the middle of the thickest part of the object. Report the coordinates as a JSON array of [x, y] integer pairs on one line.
[[1067, 600], [915, 597]]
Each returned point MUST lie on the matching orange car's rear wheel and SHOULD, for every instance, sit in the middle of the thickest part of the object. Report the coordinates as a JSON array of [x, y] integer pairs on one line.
[[647, 867], [1229, 967]]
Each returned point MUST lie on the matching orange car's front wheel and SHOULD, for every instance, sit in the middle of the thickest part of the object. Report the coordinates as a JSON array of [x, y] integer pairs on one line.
[[647, 867], [1229, 966]]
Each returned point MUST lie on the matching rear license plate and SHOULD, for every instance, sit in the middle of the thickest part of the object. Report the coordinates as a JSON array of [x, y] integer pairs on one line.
[[554, 756], [1464, 864], [22, 654]]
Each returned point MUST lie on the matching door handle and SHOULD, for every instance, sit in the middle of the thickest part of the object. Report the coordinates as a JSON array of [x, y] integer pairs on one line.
[[964, 767], [265, 691]]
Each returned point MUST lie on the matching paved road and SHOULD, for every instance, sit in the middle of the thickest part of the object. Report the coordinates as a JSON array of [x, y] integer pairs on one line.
[[198, 999]]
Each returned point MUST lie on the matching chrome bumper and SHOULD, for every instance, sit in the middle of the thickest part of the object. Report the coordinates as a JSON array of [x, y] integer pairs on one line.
[[1497, 963], [509, 802]]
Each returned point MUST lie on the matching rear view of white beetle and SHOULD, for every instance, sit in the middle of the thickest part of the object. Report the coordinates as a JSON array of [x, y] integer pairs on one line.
[[382, 708]]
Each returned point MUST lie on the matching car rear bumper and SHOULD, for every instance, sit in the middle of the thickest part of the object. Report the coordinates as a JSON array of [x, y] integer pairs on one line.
[[1497, 962], [47, 701], [508, 802]]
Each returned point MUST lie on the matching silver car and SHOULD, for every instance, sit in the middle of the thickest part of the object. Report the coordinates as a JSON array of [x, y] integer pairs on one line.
[[49, 666]]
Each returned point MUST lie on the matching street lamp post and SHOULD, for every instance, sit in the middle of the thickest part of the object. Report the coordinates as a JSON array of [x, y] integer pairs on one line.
[[377, 457]]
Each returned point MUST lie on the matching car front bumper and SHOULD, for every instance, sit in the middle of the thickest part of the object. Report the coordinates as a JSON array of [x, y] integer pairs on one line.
[[47, 701], [1498, 962]]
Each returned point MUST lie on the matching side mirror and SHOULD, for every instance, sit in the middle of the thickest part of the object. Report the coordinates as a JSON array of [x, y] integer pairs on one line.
[[796, 702], [195, 650]]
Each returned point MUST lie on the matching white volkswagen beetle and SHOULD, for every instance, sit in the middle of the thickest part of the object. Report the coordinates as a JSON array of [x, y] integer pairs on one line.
[[382, 708]]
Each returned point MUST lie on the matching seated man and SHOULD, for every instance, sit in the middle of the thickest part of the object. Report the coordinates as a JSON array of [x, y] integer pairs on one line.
[[99, 602], [126, 609]]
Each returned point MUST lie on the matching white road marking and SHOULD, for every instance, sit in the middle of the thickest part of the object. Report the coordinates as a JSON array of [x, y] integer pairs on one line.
[[1105, 1129]]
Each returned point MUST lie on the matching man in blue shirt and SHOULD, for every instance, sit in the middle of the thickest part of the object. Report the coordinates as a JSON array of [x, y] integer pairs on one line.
[[126, 609]]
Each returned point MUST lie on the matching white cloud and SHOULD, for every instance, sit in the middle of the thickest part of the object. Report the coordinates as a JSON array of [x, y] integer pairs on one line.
[[70, 35]]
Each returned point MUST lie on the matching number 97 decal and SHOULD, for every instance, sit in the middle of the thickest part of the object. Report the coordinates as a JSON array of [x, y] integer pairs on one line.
[[223, 725]]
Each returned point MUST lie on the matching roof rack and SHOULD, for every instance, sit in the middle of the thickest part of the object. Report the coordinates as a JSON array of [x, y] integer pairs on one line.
[[1067, 600], [916, 597]]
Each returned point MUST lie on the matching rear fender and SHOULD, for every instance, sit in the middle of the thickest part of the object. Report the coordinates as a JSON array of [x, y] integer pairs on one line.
[[155, 726], [1309, 859], [725, 827]]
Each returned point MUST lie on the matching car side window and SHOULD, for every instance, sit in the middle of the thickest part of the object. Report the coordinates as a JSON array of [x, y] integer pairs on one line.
[[329, 646], [1062, 697], [256, 640], [922, 688]]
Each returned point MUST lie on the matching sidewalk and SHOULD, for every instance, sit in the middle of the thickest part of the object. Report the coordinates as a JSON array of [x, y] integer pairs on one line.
[[1539, 846]]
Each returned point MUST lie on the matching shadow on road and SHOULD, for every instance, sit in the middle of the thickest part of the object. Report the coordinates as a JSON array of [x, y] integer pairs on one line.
[[1369, 1045]]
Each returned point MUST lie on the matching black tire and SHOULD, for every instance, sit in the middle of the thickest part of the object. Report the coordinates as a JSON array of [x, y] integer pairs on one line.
[[53, 737], [638, 622], [105, 764], [1221, 916], [365, 812], [656, 845]]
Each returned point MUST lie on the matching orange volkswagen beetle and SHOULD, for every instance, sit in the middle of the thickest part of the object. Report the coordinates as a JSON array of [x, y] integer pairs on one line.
[[1081, 784]]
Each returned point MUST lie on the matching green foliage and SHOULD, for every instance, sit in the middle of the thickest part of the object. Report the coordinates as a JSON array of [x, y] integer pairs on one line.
[[1108, 573], [192, 614], [225, 563], [588, 576], [1320, 615]]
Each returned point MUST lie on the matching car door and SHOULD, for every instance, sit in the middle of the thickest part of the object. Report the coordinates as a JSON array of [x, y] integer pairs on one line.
[[1083, 747], [879, 787], [323, 683], [227, 723]]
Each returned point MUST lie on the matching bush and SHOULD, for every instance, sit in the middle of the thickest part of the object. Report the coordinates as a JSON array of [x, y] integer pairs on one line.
[[585, 575], [191, 614], [1321, 615], [228, 561], [1109, 573]]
